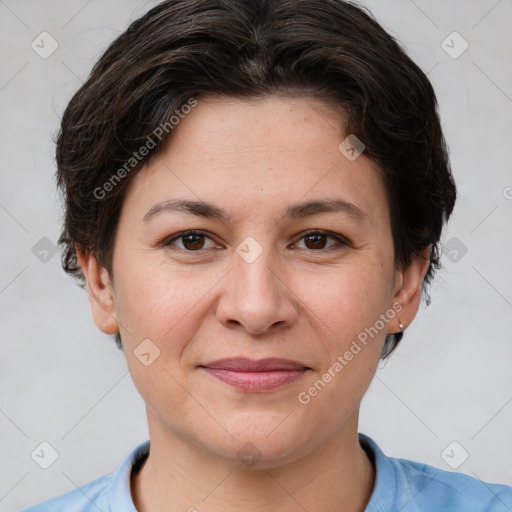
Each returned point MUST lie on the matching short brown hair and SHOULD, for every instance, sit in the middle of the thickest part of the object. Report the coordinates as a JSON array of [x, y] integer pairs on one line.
[[182, 49]]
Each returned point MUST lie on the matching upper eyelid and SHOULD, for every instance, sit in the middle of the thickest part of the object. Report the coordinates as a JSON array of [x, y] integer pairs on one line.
[[322, 232], [339, 238]]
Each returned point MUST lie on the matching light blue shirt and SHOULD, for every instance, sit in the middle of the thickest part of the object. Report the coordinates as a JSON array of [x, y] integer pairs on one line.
[[400, 485]]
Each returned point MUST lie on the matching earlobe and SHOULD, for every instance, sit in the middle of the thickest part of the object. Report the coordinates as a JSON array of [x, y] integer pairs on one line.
[[101, 293], [408, 285]]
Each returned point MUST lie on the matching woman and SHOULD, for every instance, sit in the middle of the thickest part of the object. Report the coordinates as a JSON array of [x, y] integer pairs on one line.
[[255, 193]]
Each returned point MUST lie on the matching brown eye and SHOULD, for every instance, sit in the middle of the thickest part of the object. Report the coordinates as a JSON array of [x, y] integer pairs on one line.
[[191, 241], [316, 240]]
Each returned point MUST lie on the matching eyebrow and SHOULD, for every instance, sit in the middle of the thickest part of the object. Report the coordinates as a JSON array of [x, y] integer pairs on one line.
[[294, 211]]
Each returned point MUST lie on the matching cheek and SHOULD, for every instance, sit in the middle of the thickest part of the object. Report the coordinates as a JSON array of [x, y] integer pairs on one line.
[[159, 302], [346, 305], [347, 299], [160, 305]]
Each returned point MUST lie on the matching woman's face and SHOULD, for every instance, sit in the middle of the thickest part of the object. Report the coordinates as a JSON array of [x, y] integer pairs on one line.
[[254, 284]]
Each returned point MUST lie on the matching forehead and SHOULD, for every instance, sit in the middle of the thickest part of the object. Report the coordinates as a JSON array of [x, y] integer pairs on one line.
[[245, 155]]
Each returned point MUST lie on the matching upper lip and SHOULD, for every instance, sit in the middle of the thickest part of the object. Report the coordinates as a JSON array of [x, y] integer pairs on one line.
[[244, 364]]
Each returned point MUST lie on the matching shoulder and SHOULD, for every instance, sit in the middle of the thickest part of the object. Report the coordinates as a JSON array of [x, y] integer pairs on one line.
[[109, 493], [411, 486], [428, 486], [88, 498]]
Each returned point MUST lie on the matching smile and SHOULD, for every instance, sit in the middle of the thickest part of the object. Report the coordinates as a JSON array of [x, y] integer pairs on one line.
[[256, 381]]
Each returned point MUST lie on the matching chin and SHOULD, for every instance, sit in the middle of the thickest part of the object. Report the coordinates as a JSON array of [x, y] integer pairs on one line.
[[260, 440]]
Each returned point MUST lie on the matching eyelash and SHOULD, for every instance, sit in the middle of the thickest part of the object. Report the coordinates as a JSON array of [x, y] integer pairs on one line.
[[342, 241]]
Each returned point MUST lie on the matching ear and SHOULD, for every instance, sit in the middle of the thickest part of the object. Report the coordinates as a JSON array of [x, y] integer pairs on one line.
[[408, 288], [100, 292]]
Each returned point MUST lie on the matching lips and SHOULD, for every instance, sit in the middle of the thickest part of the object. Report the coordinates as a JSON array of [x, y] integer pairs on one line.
[[242, 364], [256, 375]]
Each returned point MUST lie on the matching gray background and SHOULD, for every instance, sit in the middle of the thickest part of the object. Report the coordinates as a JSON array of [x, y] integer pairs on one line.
[[64, 382]]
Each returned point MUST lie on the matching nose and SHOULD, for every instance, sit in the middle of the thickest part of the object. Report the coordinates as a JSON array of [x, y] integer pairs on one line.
[[256, 295]]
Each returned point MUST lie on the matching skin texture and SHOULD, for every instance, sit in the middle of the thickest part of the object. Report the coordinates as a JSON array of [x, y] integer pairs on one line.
[[301, 299]]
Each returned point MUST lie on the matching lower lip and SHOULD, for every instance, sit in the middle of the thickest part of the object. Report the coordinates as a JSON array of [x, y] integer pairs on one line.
[[256, 381]]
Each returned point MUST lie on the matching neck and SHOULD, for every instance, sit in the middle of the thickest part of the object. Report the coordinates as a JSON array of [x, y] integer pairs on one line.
[[179, 475]]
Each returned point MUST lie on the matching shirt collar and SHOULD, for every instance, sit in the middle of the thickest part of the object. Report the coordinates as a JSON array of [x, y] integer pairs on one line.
[[119, 496], [381, 500], [384, 491]]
